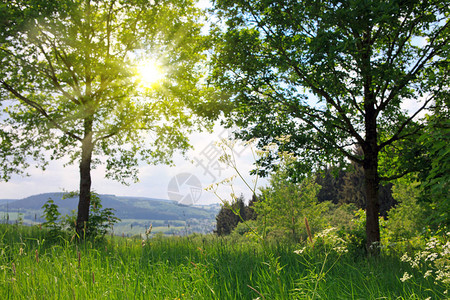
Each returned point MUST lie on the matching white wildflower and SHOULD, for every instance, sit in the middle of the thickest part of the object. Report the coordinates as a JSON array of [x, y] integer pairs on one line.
[[340, 249], [440, 275], [427, 273], [423, 254], [300, 251], [405, 258], [250, 142], [227, 181], [261, 153], [326, 232], [446, 249], [431, 257], [432, 243], [209, 187], [405, 277], [415, 262], [284, 138]]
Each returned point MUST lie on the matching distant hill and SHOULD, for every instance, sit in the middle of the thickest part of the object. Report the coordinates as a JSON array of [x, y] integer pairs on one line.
[[125, 207], [5, 201]]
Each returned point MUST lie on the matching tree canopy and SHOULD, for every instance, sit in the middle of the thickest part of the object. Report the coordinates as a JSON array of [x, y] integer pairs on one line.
[[331, 75], [70, 84]]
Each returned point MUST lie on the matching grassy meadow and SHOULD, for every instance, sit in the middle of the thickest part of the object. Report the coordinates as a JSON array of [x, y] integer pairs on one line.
[[33, 266]]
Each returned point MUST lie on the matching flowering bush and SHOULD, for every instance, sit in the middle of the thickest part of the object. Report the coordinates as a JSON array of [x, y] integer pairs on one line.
[[326, 241], [435, 259]]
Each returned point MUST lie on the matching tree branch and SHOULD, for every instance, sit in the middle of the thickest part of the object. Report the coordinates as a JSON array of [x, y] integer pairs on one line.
[[52, 76], [38, 107], [397, 135], [427, 56]]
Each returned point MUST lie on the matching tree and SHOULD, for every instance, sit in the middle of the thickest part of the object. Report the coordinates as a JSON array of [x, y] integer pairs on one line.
[[250, 212], [352, 189], [408, 218], [70, 71], [330, 181], [436, 175], [230, 215], [284, 205], [332, 75]]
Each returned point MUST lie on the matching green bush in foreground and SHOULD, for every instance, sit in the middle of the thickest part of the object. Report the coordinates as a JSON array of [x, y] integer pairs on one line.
[[101, 220], [197, 267]]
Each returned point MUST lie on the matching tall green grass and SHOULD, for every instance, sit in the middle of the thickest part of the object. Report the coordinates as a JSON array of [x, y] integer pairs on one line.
[[194, 267]]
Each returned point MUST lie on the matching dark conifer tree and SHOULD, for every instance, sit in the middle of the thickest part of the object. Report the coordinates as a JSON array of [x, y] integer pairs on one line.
[[230, 215]]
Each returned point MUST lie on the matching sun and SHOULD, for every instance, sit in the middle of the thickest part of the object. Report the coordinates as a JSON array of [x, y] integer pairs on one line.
[[150, 73]]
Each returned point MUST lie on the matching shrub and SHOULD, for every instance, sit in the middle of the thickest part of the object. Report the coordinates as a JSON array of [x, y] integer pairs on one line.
[[100, 220], [355, 234], [51, 216], [284, 205], [407, 219]]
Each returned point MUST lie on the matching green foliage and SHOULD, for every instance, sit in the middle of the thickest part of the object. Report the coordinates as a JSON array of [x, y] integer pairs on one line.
[[231, 214], [72, 67], [245, 229], [324, 82], [284, 205], [341, 216], [408, 219], [436, 178], [51, 215], [101, 220], [16, 154], [353, 230]]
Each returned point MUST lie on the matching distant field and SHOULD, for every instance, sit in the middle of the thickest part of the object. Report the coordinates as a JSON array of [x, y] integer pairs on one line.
[[136, 213], [126, 227], [131, 227]]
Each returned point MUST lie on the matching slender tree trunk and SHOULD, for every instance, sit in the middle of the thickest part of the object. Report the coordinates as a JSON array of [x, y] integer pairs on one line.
[[85, 179]]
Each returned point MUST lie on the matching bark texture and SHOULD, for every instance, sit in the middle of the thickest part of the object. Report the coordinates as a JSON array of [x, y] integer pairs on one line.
[[85, 180]]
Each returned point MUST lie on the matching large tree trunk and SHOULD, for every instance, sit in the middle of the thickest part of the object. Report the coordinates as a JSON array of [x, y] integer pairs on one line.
[[370, 149], [372, 204], [85, 180], [371, 177]]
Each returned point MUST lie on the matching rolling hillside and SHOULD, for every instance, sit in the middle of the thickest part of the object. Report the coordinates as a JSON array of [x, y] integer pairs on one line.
[[133, 211]]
